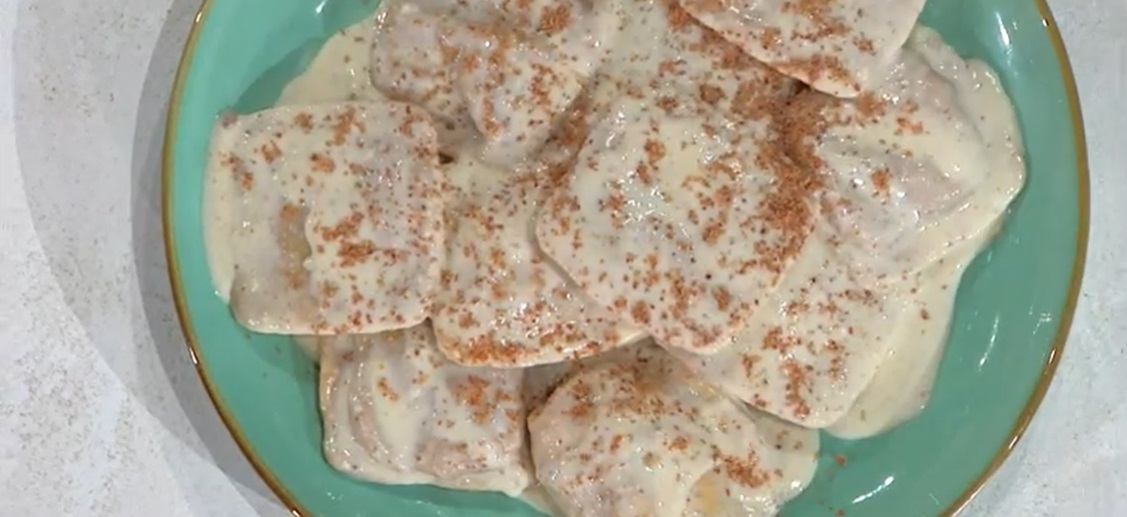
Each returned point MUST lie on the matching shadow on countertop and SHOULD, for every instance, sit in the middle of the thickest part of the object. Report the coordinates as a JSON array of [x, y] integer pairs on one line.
[[114, 280]]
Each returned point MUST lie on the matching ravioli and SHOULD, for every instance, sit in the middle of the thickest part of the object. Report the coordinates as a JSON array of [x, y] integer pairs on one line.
[[815, 344], [836, 46], [678, 218], [663, 49], [896, 201], [396, 411], [330, 217], [502, 302], [614, 253], [512, 69], [516, 97], [413, 58], [902, 385], [583, 32], [897, 194], [635, 434]]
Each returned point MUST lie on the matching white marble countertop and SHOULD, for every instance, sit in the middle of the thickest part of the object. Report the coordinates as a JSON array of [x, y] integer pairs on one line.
[[101, 412]]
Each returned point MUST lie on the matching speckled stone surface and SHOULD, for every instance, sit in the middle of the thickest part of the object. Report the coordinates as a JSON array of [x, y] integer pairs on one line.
[[101, 412]]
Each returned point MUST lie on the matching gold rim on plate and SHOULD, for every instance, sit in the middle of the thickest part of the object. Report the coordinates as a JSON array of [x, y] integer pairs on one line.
[[1023, 420]]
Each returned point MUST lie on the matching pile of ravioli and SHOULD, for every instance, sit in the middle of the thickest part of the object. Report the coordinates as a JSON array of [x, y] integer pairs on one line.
[[634, 252]]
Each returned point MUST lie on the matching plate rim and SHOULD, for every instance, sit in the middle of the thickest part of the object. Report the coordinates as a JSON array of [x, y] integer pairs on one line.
[[1017, 432]]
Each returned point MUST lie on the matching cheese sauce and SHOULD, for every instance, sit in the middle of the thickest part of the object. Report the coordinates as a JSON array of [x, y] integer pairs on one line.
[[901, 386], [919, 171], [637, 435], [341, 70], [395, 410], [662, 217], [599, 171], [502, 303], [339, 73], [929, 158], [838, 47], [331, 211]]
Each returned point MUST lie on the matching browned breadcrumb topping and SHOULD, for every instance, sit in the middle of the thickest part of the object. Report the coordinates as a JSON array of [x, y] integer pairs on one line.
[[870, 108], [778, 341], [796, 386], [239, 170], [906, 126], [542, 325], [641, 312], [321, 163], [584, 401], [554, 19], [291, 238], [270, 151], [746, 471], [616, 442], [345, 123], [749, 362], [770, 38], [837, 360], [819, 13], [679, 19], [386, 390], [710, 94], [881, 179], [304, 121], [787, 208], [473, 392], [347, 227], [353, 253]]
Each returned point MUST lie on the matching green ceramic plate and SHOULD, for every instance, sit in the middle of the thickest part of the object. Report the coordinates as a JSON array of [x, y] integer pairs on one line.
[[1013, 311]]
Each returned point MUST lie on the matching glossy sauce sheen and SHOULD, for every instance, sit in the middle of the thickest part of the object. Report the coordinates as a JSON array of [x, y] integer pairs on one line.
[[836, 46], [596, 173], [637, 435], [501, 302], [329, 209], [662, 217], [395, 410], [920, 172]]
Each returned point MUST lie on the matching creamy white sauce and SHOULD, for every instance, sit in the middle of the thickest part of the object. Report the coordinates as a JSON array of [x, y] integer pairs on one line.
[[903, 382], [650, 225], [814, 345], [838, 47], [502, 303], [507, 69], [932, 158], [549, 239], [340, 72], [660, 218], [322, 216], [396, 411], [338, 221], [637, 435], [915, 184], [220, 205]]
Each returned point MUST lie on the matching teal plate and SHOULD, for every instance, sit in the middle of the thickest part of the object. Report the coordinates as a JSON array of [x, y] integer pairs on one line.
[[1013, 311]]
